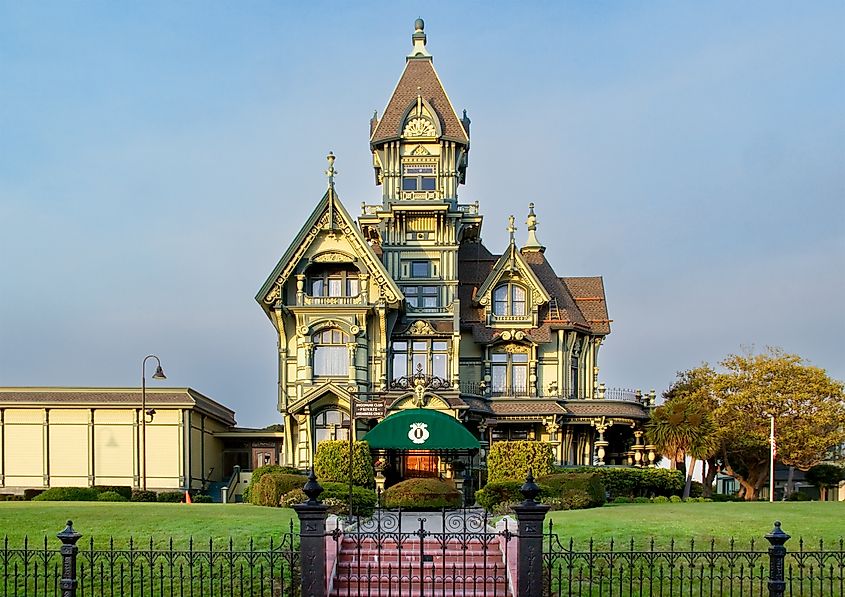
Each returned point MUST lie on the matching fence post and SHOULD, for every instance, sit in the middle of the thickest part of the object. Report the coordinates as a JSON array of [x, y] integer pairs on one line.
[[777, 554], [312, 540], [529, 547], [68, 551]]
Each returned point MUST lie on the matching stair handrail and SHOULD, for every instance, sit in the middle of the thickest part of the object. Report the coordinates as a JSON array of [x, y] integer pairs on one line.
[[233, 483]]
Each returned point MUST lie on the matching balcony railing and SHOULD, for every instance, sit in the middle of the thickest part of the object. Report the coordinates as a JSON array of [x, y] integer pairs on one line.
[[480, 388], [332, 300], [468, 208], [428, 310]]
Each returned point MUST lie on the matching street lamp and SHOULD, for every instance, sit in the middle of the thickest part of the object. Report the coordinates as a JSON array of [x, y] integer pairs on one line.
[[159, 374]]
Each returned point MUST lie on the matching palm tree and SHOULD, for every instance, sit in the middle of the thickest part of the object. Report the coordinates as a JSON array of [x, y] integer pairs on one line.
[[682, 428]]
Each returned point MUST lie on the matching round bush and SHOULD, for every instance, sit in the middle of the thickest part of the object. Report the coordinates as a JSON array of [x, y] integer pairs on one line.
[[123, 490], [68, 494], [292, 497], [660, 499], [422, 494], [111, 496], [272, 486], [675, 499], [265, 470]]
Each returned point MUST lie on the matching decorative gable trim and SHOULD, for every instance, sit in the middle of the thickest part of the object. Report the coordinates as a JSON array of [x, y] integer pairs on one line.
[[329, 215]]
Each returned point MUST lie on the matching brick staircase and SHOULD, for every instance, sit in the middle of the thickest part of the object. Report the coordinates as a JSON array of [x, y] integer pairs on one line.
[[465, 567]]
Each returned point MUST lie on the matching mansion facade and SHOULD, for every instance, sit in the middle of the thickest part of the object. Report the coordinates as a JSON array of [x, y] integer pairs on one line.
[[406, 306]]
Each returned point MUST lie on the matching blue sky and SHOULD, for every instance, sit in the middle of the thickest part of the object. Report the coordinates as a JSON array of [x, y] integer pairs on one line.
[[156, 160]]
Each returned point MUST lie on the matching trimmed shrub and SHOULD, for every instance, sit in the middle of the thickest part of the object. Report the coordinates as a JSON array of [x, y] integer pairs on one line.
[[660, 499], [30, 494], [639, 482], [797, 496], [512, 460], [123, 490], [292, 497], [422, 494], [272, 486], [264, 470], [68, 494], [331, 463], [575, 499], [202, 498], [623, 500], [642, 500], [142, 495], [590, 483], [675, 499], [696, 489], [170, 497], [336, 497], [111, 496], [499, 496]]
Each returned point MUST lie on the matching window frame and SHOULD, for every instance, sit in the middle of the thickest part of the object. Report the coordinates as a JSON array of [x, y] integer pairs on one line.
[[426, 355], [349, 283], [510, 363], [323, 349], [414, 295], [510, 300]]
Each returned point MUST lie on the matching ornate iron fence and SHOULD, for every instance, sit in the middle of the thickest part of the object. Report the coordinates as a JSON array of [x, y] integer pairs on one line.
[[645, 570], [151, 570]]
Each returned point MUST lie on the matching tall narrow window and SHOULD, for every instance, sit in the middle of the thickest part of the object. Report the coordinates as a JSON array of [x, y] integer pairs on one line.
[[573, 367], [509, 299], [331, 356], [509, 374]]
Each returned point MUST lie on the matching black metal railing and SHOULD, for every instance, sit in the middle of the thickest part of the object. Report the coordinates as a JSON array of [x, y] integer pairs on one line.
[[150, 569], [629, 569]]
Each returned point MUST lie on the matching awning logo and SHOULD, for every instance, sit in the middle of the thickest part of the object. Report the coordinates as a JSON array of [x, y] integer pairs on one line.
[[418, 433]]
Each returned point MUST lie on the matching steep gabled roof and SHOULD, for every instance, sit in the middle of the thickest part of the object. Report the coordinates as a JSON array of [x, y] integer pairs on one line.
[[569, 311], [330, 214], [418, 78], [513, 259], [588, 293]]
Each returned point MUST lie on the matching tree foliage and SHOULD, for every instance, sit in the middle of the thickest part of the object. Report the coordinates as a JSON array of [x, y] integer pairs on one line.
[[806, 404]]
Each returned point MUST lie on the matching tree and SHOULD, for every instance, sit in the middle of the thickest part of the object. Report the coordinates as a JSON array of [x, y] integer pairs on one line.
[[807, 406], [825, 476], [684, 426]]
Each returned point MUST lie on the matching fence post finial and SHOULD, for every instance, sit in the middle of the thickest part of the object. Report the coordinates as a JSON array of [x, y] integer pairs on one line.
[[68, 551], [777, 554], [312, 539]]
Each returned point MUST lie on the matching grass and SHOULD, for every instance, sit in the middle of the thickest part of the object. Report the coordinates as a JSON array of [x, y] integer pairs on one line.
[[702, 522], [141, 521]]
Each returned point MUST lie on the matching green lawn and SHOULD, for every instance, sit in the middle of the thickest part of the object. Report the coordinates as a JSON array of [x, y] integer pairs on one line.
[[702, 522], [141, 521]]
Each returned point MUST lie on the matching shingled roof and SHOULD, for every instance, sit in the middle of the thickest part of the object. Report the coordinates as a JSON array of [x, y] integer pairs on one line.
[[581, 301], [418, 78]]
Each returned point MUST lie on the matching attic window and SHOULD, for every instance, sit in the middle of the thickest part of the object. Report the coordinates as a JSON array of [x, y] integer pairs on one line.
[[509, 299], [419, 177]]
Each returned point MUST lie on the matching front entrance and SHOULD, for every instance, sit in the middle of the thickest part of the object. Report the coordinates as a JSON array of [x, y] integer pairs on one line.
[[263, 456], [420, 464]]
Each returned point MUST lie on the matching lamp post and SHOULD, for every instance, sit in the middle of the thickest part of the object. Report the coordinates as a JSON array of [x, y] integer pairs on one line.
[[159, 374]]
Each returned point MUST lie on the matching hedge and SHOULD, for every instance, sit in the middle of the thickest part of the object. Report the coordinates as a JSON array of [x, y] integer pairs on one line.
[[422, 494], [504, 494], [563, 484], [68, 494], [264, 470], [142, 495], [272, 486], [336, 497], [202, 498], [331, 463], [513, 459], [111, 496], [124, 490], [638, 482]]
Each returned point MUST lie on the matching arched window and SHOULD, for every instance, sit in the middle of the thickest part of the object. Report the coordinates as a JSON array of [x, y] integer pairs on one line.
[[331, 356], [331, 423], [509, 299]]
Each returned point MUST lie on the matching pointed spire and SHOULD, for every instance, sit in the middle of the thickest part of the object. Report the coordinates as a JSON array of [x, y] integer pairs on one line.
[[532, 244], [331, 171], [419, 40]]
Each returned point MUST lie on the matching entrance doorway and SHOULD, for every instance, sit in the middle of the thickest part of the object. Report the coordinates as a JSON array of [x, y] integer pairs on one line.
[[421, 464], [263, 456]]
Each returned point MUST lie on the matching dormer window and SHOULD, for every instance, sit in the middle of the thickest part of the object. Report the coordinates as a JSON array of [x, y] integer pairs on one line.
[[509, 300]]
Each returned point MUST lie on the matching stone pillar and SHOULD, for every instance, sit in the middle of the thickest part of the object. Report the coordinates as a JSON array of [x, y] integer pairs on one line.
[[312, 540], [777, 553], [68, 551], [529, 548]]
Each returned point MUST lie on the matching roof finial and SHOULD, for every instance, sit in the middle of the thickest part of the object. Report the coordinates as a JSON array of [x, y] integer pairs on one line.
[[419, 39], [532, 244], [511, 227], [331, 171]]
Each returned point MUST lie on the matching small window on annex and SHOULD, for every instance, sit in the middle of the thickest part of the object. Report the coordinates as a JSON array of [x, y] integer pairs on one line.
[[509, 299], [331, 423], [331, 356], [429, 356]]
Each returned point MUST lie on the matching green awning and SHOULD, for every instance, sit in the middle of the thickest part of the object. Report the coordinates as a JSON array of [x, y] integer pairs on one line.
[[421, 429]]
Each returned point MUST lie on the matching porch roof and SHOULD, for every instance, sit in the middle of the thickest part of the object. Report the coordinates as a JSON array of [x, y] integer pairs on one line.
[[421, 429]]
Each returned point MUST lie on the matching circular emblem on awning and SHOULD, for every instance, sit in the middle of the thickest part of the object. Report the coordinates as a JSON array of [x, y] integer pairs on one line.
[[418, 433]]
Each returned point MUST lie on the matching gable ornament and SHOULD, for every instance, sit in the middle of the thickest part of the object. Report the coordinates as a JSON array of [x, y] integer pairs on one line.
[[420, 328]]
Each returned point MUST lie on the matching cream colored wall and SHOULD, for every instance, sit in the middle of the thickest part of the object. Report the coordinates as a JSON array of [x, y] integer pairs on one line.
[[206, 450], [79, 447]]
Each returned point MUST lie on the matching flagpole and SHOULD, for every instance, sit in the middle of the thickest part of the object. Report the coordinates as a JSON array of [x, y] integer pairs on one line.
[[772, 459]]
